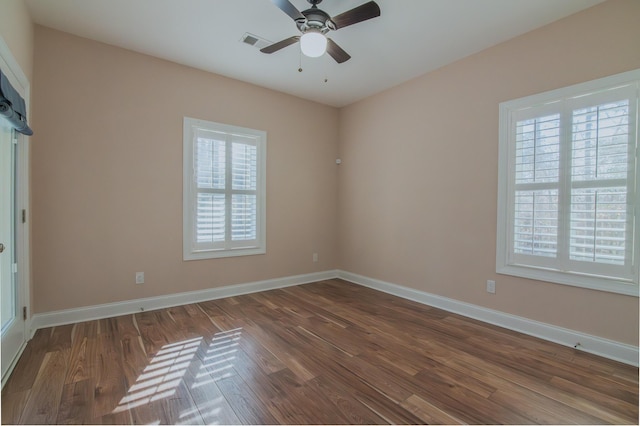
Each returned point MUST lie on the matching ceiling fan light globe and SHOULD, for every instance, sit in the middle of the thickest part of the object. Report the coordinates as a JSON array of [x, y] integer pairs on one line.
[[313, 44]]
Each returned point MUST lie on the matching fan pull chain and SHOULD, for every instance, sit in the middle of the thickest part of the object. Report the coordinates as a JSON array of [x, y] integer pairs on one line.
[[326, 79], [300, 61]]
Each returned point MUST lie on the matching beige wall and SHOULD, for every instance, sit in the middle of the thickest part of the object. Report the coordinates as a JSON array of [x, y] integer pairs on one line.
[[418, 182], [107, 175], [414, 202], [16, 29]]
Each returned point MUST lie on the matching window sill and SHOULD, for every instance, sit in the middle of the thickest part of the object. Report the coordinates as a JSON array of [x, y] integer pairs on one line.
[[576, 280], [216, 254]]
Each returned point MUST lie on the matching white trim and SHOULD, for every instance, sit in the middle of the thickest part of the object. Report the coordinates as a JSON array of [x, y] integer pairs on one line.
[[617, 351], [89, 313], [19, 81], [227, 248], [585, 281], [621, 279], [16, 77], [588, 87]]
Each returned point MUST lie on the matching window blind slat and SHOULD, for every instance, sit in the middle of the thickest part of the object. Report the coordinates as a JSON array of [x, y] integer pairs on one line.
[[536, 222], [210, 218], [210, 163], [600, 148], [244, 166], [537, 149], [243, 217], [598, 226]]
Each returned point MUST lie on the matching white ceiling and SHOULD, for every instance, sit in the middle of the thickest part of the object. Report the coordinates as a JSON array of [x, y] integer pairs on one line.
[[410, 38]]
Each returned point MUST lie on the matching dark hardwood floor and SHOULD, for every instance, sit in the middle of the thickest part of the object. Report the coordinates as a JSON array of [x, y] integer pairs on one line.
[[323, 353]]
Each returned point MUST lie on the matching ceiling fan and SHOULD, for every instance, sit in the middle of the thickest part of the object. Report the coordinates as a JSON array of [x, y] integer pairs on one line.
[[314, 24]]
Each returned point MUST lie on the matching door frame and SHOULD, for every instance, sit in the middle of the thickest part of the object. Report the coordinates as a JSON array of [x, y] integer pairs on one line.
[[19, 80]]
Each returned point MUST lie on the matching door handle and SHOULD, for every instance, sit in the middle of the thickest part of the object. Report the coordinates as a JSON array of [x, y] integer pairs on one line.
[[1, 247]]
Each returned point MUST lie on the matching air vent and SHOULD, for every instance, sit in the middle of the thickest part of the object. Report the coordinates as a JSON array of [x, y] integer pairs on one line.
[[250, 39], [255, 41]]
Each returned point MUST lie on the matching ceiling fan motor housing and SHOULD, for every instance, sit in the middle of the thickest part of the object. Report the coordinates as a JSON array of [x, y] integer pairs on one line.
[[315, 20]]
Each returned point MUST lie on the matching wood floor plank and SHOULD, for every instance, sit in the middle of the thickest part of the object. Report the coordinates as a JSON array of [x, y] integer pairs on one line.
[[60, 338], [462, 402], [428, 412], [44, 399], [76, 403], [133, 354], [218, 317], [330, 361], [29, 363], [151, 333], [383, 407], [197, 322], [82, 359], [327, 352], [110, 383], [13, 404], [274, 393], [119, 418], [245, 403], [605, 407], [346, 339], [209, 400], [302, 295], [179, 407], [540, 409], [151, 412], [268, 338], [310, 403], [353, 410], [544, 402]]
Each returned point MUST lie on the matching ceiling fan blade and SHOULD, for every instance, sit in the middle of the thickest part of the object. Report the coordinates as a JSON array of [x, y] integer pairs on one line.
[[289, 9], [358, 14], [336, 52], [280, 45]]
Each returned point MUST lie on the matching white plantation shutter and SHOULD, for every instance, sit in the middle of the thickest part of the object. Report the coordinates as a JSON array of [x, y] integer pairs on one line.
[[210, 166], [569, 186], [224, 190], [602, 158], [536, 186], [244, 186]]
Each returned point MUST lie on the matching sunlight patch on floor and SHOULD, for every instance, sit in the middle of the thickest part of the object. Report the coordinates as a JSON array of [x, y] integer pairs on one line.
[[219, 357], [163, 374], [167, 369]]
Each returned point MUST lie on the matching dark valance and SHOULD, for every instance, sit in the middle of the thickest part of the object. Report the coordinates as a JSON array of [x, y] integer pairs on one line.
[[12, 106]]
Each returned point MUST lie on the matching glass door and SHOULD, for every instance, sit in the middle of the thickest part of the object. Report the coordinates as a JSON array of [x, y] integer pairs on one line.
[[13, 326]]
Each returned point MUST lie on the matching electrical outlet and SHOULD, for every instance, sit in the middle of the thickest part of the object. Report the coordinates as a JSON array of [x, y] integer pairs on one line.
[[139, 277], [315, 257], [491, 286]]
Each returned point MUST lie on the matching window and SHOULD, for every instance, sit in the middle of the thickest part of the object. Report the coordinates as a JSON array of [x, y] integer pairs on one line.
[[224, 190], [568, 185]]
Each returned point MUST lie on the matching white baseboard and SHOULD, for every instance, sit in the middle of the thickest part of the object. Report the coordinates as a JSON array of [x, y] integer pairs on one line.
[[617, 351], [597, 345], [89, 313]]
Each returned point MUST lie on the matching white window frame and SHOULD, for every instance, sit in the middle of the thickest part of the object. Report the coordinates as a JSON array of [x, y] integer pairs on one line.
[[191, 249], [509, 263]]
